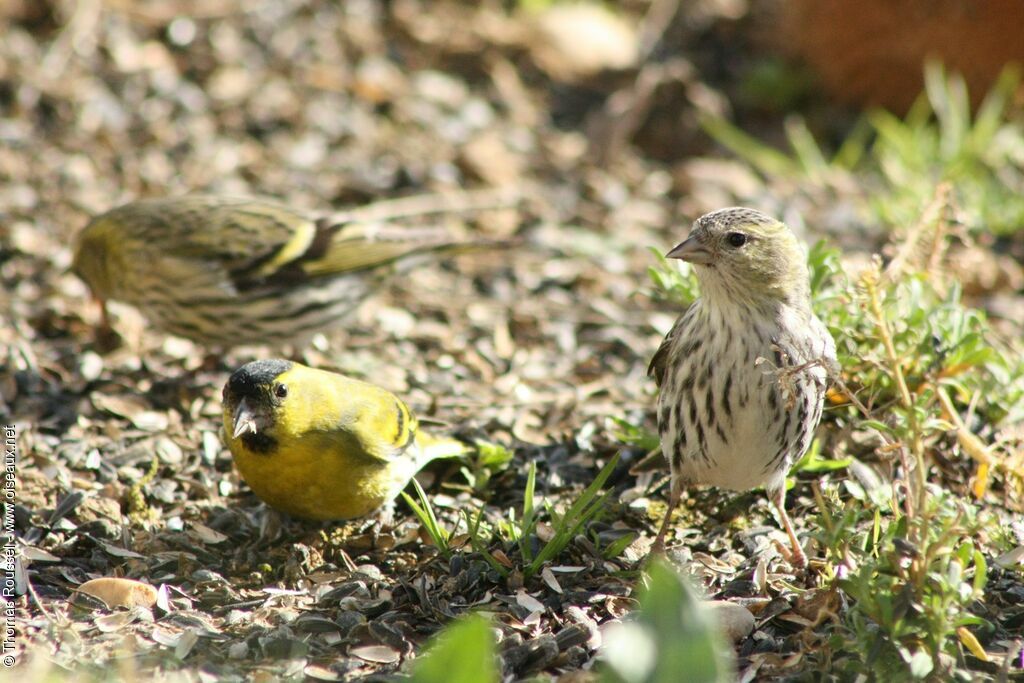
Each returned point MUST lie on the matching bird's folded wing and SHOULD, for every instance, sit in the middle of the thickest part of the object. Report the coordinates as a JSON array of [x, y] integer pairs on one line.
[[385, 428], [352, 247], [433, 447], [659, 362], [383, 232]]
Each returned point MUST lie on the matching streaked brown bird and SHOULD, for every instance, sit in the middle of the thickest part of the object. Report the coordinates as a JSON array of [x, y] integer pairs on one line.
[[743, 372], [228, 271]]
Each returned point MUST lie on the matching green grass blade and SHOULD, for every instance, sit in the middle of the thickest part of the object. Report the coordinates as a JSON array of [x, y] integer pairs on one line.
[[765, 159], [425, 514]]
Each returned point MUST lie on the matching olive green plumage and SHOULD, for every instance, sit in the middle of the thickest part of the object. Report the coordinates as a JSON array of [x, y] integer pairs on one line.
[[226, 271]]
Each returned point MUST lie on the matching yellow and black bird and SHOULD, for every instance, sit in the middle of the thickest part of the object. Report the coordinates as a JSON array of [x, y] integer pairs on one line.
[[229, 271], [319, 445]]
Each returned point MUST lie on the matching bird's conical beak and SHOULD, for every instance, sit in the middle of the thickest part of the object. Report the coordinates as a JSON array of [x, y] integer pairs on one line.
[[692, 250], [244, 419]]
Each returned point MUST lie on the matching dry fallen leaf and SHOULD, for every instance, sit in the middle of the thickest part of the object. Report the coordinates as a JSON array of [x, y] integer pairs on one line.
[[971, 643], [549, 578], [527, 601], [1011, 558], [208, 535]]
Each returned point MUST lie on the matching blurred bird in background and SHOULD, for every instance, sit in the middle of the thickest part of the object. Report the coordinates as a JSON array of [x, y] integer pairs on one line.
[[228, 271]]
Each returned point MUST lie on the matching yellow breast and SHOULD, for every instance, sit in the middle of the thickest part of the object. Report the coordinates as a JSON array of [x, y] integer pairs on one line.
[[314, 480]]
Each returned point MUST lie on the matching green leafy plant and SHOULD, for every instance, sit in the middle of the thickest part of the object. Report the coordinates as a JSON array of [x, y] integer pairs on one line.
[[911, 582], [939, 141], [523, 530], [564, 526], [813, 461], [464, 652], [616, 547], [491, 458], [633, 434], [424, 512], [903, 554], [904, 337], [673, 281], [670, 638], [480, 535]]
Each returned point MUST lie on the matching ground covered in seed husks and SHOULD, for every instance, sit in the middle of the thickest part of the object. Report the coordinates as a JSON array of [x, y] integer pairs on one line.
[[538, 352]]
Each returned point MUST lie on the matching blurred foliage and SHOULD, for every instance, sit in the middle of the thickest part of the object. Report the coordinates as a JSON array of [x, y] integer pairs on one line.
[[895, 164], [633, 434], [774, 84], [672, 637], [464, 652], [912, 581], [940, 342], [673, 281]]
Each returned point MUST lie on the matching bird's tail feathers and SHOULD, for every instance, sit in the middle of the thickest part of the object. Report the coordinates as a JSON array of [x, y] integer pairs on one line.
[[419, 206], [401, 229], [433, 447]]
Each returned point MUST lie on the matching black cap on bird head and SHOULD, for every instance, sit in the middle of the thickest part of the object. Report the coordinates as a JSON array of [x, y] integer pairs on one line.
[[247, 380], [249, 399]]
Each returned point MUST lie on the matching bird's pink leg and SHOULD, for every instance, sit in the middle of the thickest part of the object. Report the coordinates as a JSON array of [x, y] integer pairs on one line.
[[799, 558], [673, 500]]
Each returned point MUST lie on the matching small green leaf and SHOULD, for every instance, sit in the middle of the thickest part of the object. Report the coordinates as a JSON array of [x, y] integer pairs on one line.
[[463, 652], [616, 547], [671, 637], [493, 455]]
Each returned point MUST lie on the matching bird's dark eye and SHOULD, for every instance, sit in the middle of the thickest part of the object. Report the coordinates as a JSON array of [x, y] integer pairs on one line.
[[280, 391], [736, 239]]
